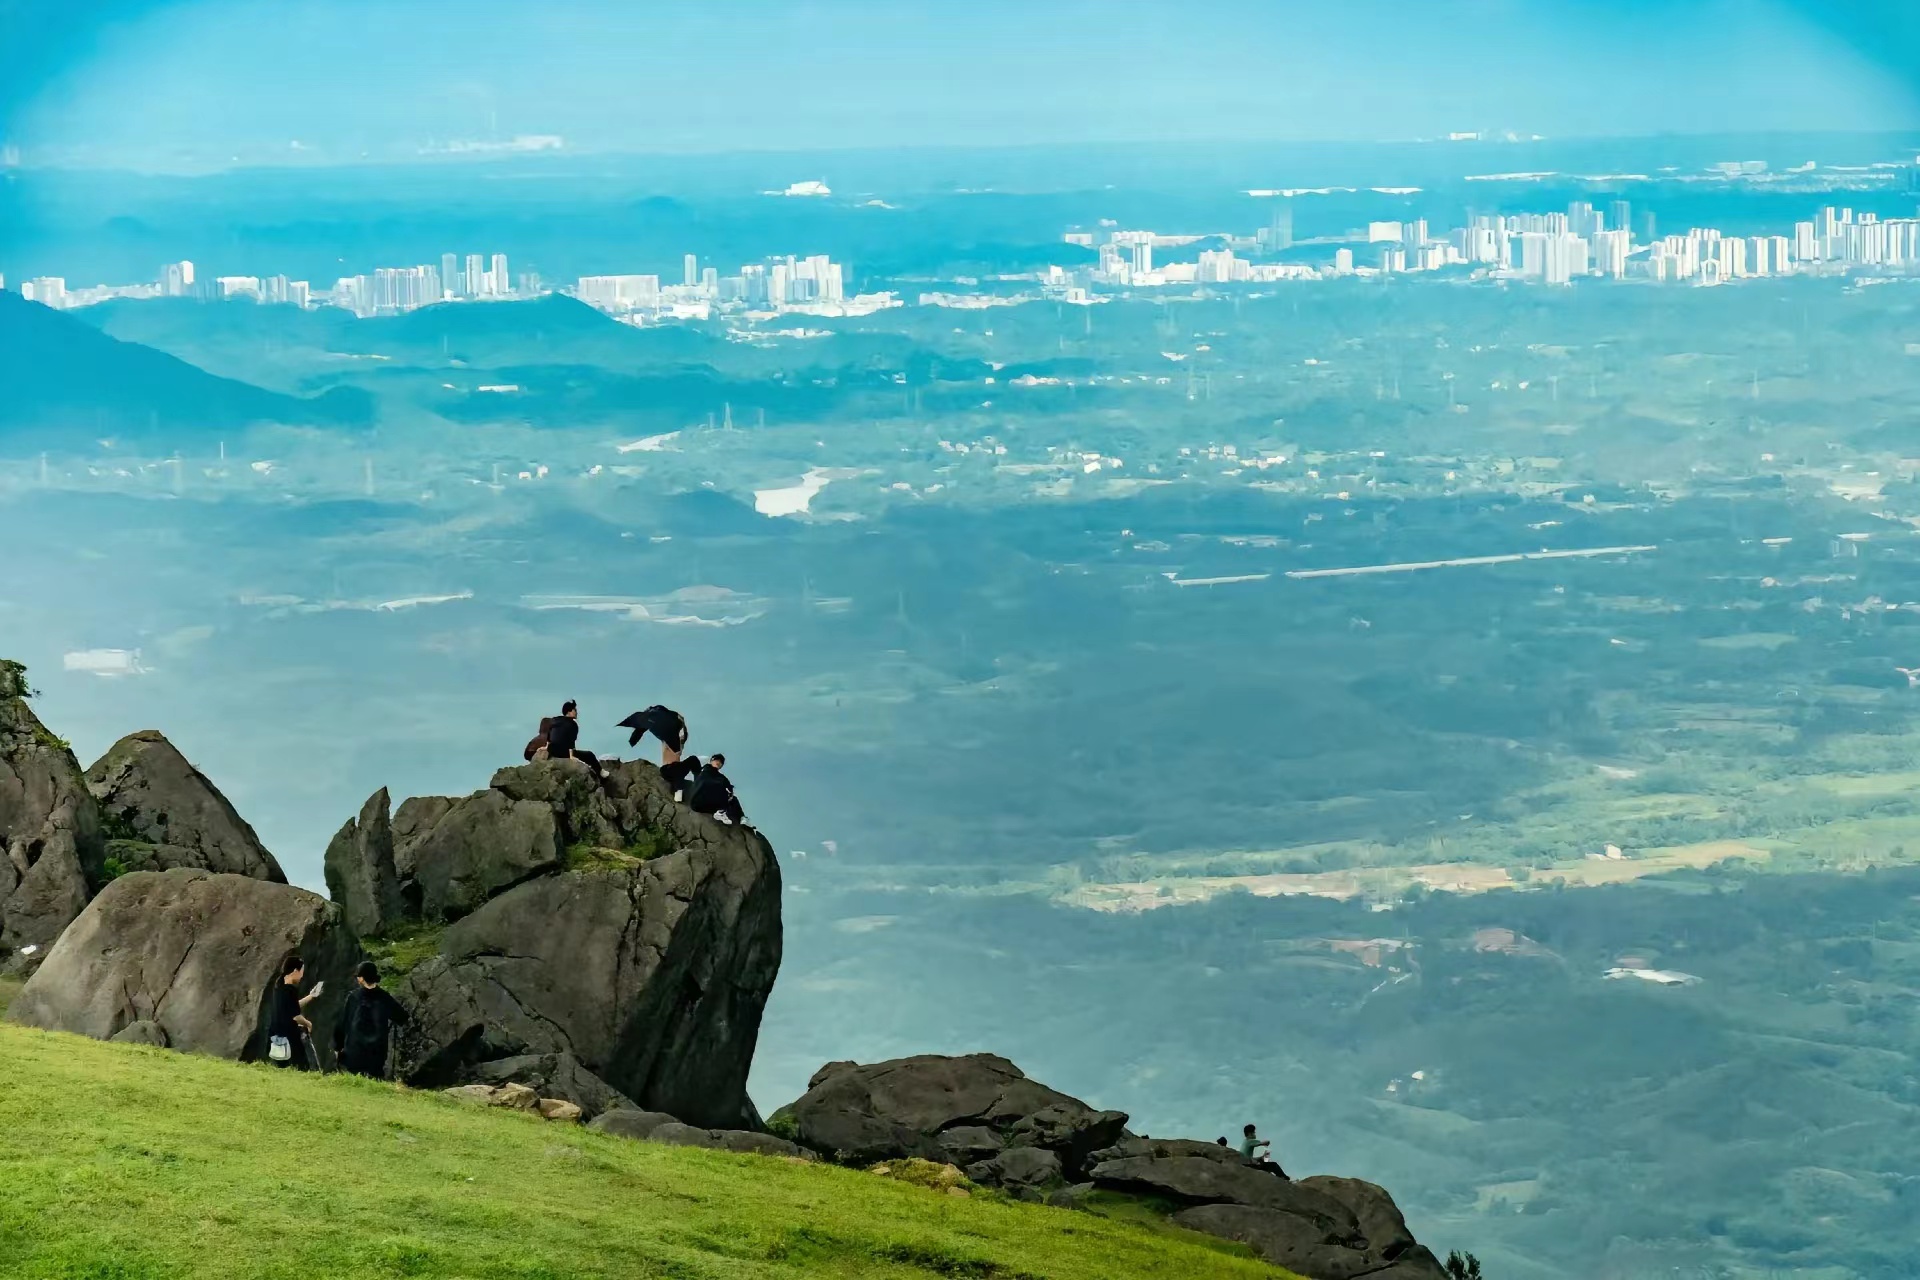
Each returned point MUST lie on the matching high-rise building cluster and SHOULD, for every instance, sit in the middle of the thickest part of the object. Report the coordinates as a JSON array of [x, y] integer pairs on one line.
[[777, 284], [1586, 241], [392, 290]]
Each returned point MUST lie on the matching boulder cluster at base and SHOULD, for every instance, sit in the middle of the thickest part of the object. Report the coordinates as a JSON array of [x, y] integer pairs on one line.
[[586, 949]]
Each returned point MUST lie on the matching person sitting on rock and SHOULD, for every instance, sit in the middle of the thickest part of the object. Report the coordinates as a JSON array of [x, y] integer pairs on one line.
[[680, 773], [287, 1023], [537, 748], [563, 735], [1250, 1146], [361, 1037], [713, 794]]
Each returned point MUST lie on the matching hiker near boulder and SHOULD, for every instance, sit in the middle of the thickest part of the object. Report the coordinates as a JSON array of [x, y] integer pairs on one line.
[[288, 1026], [361, 1037]]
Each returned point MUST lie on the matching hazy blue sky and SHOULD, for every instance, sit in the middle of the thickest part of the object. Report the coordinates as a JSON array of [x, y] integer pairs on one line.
[[197, 81]]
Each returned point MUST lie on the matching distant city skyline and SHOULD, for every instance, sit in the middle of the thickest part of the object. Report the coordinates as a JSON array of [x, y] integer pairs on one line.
[[207, 83]]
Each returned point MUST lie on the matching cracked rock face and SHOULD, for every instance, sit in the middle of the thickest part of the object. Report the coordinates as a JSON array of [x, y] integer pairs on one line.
[[164, 813], [652, 974], [52, 854], [193, 955], [937, 1108]]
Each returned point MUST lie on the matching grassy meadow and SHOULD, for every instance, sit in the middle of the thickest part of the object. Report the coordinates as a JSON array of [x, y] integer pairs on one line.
[[118, 1162]]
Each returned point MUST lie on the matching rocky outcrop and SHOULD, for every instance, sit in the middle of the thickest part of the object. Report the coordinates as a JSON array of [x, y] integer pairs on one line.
[[555, 1075], [194, 954], [360, 872], [483, 845], [657, 1126], [597, 920], [52, 854], [963, 1110], [162, 813], [1321, 1228]]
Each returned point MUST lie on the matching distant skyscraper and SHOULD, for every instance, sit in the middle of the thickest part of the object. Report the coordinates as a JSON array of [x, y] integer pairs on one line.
[[1620, 216], [1143, 255], [1610, 249], [500, 283], [693, 271], [1280, 234], [1343, 260], [710, 281], [1533, 254], [475, 278], [176, 279], [450, 273]]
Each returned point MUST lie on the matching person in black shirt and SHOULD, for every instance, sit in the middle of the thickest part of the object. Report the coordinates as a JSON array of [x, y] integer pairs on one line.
[[361, 1036], [712, 793], [287, 1022], [564, 733]]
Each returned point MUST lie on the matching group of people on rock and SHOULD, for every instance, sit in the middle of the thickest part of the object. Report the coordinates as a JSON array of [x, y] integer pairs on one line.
[[704, 788], [362, 1036]]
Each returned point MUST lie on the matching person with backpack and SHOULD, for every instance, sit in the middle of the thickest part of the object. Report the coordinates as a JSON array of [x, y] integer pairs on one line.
[[288, 1026], [365, 1029], [563, 733]]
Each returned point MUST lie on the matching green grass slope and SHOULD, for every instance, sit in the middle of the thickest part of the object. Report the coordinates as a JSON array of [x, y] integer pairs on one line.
[[119, 1163]]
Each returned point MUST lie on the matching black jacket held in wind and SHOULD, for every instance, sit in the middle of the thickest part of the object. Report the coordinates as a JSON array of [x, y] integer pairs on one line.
[[360, 1037]]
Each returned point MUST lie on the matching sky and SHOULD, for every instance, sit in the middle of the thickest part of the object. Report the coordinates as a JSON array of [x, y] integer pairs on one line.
[[197, 83]]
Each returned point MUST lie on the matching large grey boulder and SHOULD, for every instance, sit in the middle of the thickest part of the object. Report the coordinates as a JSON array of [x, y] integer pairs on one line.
[[657, 1126], [52, 854], [630, 1122], [909, 1107], [483, 845], [1027, 1171], [149, 794], [193, 953], [359, 870], [1322, 1228], [652, 971], [1203, 1173], [554, 1075]]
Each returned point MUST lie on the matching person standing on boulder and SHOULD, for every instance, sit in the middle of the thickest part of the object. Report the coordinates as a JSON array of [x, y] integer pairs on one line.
[[563, 735], [287, 1023], [361, 1037]]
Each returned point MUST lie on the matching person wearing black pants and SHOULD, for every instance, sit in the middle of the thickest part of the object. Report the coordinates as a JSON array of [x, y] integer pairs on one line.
[[287, 1018], [563, 733], [680, 774], [713, 793]]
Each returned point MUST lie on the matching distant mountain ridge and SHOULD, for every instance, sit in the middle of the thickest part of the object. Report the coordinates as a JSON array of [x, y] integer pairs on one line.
[[68, 385]]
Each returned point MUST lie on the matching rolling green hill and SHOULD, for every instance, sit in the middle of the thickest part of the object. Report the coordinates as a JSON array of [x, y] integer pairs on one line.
[[130, 1163]]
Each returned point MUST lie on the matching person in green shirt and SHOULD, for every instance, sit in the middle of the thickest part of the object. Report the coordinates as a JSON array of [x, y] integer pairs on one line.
[[1250, 1145]]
